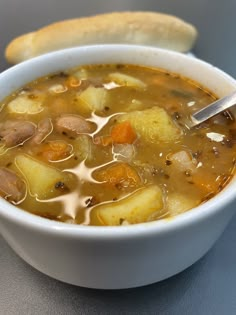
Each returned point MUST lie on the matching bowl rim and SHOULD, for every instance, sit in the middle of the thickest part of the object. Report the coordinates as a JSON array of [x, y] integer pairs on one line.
[[188, 218]]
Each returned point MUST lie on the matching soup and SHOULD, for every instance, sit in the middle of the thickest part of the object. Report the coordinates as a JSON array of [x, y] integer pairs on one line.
[[109, 145]]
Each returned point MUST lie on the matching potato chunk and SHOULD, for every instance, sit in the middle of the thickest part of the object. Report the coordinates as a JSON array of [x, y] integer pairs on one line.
[[23, 104], [126, 80], [40, 177], [81, 74], [83, 148], [136, 208], [93, 99], [178, 203], [183, 161], [153, 125]]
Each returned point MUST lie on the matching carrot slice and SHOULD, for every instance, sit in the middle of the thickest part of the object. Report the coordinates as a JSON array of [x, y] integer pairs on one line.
[[55, 150], [123, 133], [119, 175]]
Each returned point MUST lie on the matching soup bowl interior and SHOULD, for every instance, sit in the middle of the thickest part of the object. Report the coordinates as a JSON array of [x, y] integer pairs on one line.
[[124, 256]]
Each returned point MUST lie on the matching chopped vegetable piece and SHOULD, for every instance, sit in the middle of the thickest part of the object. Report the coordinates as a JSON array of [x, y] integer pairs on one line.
[[182, 160], [55, 150], [119, 175], [124, 151], [205, 182], [135, 209], [81, 74], [93, 99], [153, 125], [126, 80], [40, 177], [83, 148], [24, 104], [178, 203], [123, 133]]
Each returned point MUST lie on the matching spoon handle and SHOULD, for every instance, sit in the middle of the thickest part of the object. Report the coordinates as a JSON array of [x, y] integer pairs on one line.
[[213, 109]]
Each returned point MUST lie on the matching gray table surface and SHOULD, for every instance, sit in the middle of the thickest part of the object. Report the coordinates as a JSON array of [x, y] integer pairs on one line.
[[209, 286]]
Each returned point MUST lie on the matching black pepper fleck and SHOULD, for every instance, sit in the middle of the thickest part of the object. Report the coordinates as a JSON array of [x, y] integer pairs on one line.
[[90, 202], [168, 162], [188, 173], [60, 185]]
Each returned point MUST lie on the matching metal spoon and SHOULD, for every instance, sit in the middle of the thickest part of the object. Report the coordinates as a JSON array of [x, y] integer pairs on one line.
[[213, 109]]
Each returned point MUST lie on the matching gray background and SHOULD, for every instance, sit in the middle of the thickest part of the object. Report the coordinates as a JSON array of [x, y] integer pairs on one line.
[[208, 287]]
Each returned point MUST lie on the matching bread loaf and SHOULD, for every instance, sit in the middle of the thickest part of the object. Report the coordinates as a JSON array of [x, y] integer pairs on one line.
[[144, 28]]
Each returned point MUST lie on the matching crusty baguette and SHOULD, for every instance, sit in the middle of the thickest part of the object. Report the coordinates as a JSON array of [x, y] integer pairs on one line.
[[145, 28]]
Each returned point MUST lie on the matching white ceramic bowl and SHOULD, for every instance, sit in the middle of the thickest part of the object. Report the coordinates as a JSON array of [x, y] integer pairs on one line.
[[125, 256]]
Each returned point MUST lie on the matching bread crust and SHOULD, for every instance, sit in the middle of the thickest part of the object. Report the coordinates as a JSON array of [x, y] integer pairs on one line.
[[144, 28]]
